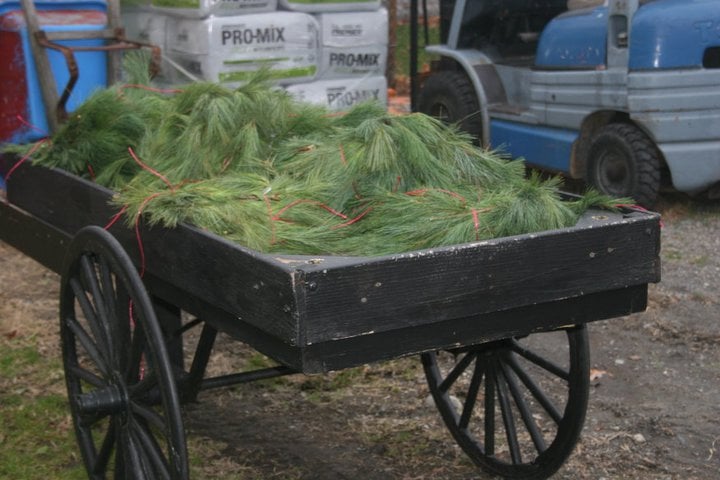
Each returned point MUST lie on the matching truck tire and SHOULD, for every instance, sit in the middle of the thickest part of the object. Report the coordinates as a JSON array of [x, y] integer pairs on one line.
[[450, 97], [624, 162]]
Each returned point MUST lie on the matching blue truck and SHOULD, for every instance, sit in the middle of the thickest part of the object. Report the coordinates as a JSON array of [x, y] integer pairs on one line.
[[623, 94]]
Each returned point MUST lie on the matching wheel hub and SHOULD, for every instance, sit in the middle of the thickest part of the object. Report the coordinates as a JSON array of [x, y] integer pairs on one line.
[[102, 401], [613, 171], [441, 112]]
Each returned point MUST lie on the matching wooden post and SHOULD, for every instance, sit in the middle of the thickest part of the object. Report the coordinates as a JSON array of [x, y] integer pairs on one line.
[[114, 57], [48, 87]]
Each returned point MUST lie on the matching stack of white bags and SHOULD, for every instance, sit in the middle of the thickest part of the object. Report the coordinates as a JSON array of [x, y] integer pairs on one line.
[[329, 52]]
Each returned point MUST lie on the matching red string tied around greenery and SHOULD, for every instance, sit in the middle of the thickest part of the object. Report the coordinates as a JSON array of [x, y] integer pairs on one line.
[[147, 200], [278, 215], [151, 170], [473, 211], [26, 157], [355, 219]]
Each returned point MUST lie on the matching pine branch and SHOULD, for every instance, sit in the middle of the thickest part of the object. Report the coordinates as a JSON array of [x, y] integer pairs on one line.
[[276, 175]]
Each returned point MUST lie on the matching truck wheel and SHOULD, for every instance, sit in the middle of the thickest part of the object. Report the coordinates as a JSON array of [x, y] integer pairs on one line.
[[450, 97], [623, 162]]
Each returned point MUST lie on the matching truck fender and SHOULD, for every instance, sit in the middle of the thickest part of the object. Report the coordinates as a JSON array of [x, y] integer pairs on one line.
[[590, 126], [480, 70]]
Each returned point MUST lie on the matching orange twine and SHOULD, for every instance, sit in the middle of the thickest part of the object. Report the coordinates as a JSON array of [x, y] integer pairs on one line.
[[150, 169], [24, 159]]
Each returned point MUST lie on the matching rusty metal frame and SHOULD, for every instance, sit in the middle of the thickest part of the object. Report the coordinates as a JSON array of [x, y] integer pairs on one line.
[[120, 43]]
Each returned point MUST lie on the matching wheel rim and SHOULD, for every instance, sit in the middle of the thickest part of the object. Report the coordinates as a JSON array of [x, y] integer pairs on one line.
[[121, 390], [537, 395], [614, 173]]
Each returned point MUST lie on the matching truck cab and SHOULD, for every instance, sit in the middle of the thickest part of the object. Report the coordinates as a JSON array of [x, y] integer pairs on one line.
[[623, 94]]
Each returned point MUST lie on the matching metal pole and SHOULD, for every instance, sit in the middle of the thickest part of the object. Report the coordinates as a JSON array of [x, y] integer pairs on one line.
[[392, 43], [413, 54]]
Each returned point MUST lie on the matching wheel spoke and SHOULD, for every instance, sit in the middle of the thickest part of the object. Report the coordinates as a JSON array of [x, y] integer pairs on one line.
[[134, 457], [524, 410], [82, 298], [120, 455], [457, 370], [149, 382], [508, 418], [87, 420], [489, 411], [86, 376], [87, 343], [90, 276], [135, 359], [150, 415], [91, 315], [106, 449], [535, 390], [472, 394], [152, 451], [539, 361], [121, 327], [107, 287]]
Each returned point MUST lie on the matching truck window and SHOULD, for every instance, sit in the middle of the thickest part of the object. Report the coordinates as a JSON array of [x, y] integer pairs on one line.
[[510, 28]]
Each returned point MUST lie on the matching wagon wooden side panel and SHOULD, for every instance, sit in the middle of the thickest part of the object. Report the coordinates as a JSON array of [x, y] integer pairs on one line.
[[430, 286]]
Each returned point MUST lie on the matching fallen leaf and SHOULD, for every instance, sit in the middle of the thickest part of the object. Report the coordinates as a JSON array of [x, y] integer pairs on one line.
[[596, 374]]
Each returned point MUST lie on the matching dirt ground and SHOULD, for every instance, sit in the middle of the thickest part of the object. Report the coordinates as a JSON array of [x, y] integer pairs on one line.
[[654, 404]]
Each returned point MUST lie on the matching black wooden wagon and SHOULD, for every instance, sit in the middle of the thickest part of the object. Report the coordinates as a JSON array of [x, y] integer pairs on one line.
[[474, 312]]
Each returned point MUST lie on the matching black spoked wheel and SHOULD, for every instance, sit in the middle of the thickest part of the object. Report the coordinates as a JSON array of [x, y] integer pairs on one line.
[[451, 97], [121, 389], [624, 162], [515, 406]]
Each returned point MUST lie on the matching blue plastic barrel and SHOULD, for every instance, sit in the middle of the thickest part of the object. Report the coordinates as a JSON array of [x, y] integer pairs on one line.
[[22, 112]]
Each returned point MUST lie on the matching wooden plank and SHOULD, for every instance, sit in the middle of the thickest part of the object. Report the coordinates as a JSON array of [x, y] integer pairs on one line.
[[34, 238], [437, 285], [380, 346], [114, 58], [63, 200]]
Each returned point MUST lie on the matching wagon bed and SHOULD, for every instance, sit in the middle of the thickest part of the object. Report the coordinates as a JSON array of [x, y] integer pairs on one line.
[[315, 314], [321, 313]]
